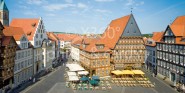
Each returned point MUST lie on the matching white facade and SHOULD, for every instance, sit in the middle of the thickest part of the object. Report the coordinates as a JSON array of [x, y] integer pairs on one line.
[[23, 68], [150, 60], [75, 53], [48, 54], [61, 44], [39, 36]]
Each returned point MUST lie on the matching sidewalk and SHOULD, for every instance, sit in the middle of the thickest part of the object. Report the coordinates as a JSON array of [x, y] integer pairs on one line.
[[160, 85], [28, 83]]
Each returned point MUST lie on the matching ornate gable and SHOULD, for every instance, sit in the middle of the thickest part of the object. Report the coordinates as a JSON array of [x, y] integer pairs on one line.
[[132, 28]]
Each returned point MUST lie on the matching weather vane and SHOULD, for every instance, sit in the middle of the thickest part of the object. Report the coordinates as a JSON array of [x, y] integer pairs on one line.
[[131, 9]]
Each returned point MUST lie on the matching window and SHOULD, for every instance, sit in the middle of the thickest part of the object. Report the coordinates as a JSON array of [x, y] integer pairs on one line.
[[25, 54], [19, 55], [153, 53], [28, 53], [166, 56], [39, 42], [170, 48], [184, 60], [181, 60], [15, 68], [41, 36], [36, 43], [173, 40], [164, 48], [173, 58], [176, 48], [157, 54], [134, 31], [177, 59], [36, 35], [170, 57]]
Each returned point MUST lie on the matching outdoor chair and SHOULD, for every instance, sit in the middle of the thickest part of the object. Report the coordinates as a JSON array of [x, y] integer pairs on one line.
[[96, 88], [90, 88], [112, 81], [122, 85], [110, 87]]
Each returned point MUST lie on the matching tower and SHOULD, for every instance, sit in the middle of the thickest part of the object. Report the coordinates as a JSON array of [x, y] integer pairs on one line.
[[4, 13]]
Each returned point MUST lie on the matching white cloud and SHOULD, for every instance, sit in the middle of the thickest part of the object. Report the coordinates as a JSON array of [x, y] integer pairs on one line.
[[36, 2], [140, 3], [69, 1], [51, 15], [130, 2], [134, 3], [30, 13], [104, 0], [23, 7], [75, 12], [54, 7], [81, 5], [102, 11]]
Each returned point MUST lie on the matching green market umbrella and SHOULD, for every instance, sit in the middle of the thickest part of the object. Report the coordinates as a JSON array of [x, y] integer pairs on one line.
[[95, 78], [94, 82], [83, 79]]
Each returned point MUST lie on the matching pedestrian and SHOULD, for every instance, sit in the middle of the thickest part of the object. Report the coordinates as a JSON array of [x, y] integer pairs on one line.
[[30, 78], [33, 80]]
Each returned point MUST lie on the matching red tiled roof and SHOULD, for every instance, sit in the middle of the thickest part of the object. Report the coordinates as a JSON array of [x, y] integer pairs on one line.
[[77, 40], [52, 37], [157, 36], [113, 32], [16, 32], [91, 45], [66, 37], [178, 26], [29, 26]]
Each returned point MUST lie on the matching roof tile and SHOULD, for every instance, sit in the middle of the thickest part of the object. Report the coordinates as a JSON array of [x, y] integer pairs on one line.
[[29, 26]]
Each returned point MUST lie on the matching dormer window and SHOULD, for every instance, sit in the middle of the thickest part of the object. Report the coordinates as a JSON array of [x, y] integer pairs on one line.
[[84, 46], [34, 24], [100, 46], [29, 33], [134, 31]]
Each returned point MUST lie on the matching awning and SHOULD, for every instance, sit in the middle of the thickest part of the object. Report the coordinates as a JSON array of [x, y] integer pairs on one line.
[[138, 72], [71, 73], [73, 78], [83, 73], [74, 67], [127, 72], [117, 72]]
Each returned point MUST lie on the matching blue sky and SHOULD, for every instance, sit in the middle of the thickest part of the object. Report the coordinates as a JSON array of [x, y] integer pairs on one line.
[[93, 16]]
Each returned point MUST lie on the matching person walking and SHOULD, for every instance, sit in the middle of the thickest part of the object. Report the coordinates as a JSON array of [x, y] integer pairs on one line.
[[33, 80]]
